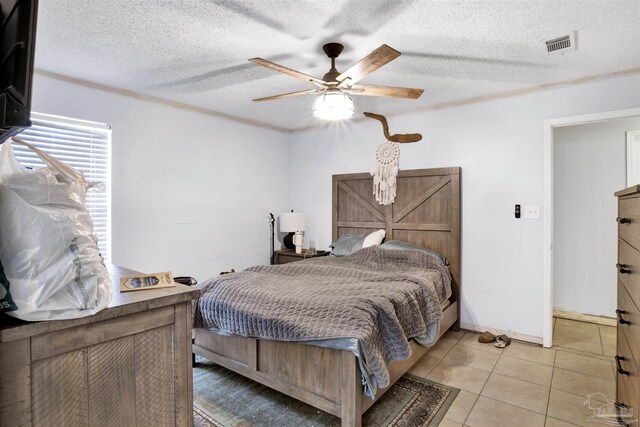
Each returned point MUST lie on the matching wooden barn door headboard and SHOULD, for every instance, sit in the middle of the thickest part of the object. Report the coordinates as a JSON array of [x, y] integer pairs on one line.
[[426, 211]]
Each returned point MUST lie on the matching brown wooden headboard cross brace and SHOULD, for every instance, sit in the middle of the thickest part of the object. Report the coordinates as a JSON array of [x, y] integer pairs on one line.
[[426, 211]]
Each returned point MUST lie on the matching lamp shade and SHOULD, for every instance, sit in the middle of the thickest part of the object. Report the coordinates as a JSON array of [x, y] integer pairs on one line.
[[292, 222], [333, 106]]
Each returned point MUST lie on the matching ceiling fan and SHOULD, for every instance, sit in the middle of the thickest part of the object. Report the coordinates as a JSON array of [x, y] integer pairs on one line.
[[334, 88]]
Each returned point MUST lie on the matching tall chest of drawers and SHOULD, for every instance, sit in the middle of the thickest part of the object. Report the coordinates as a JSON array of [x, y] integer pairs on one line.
[[628, 351]]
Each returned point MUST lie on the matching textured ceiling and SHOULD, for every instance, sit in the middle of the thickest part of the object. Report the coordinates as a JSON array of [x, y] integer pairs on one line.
[[195, 51]]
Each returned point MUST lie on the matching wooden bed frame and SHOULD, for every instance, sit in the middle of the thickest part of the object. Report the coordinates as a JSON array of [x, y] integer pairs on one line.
[[426, 212]]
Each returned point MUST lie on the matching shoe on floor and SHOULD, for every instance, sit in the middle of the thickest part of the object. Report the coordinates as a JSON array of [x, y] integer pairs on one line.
[[502, 341], [486, 337]]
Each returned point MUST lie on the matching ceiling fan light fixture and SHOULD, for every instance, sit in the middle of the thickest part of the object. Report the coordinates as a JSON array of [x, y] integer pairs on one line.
[[333, 106]]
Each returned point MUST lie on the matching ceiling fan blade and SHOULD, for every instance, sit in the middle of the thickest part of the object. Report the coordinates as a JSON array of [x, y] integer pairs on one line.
[[285, 70], [367, 65], [288, 95], [387, 91]]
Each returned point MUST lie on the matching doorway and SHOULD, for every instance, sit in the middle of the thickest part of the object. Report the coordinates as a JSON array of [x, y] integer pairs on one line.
[[589, 165], [577, 165]]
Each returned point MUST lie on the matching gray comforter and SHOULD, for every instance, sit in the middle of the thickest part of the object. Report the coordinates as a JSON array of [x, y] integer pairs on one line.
[[378, 297]]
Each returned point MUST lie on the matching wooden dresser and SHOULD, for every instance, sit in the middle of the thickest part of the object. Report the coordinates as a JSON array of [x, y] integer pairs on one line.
[[128, 365], [628, 352]]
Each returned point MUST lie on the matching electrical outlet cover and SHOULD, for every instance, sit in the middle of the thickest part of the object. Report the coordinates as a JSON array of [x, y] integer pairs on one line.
[[532, 212]]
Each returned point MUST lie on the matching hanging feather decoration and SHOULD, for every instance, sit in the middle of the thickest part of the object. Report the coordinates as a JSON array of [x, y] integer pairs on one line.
[[384, 172]]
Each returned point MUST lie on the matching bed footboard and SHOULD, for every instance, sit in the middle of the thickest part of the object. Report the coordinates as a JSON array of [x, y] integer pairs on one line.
[[326, 378], [308, 373]]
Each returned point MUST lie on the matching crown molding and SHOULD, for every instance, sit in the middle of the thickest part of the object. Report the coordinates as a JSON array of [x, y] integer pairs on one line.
[[157, 100], [492, 96], [255, 123]]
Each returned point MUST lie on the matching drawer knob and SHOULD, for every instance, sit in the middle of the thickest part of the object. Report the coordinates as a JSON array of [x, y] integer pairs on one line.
[[620, 319], [623, 268], [620, 370], [621, 220]]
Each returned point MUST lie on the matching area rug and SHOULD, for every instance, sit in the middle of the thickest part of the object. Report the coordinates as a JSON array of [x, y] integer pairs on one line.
[[223, 398]]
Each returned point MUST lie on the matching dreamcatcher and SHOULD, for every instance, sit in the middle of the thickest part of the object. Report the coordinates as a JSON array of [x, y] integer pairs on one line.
[[385, 171], [385, 168]]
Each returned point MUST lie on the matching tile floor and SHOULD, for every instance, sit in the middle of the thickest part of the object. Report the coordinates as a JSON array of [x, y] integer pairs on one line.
[[584, 337], [524, 385]]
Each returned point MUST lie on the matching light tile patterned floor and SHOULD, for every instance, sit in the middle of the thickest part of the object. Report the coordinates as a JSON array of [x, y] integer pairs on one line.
[[524, 385]]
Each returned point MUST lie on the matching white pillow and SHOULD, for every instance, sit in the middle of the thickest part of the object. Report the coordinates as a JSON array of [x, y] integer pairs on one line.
[[374, 239]]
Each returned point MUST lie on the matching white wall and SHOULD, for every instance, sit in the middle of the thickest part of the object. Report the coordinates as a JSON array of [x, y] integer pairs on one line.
[[589, 166], [499, 145], [190, 192]]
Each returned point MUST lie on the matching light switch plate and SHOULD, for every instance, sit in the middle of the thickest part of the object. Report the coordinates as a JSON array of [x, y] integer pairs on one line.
[[532, 212]]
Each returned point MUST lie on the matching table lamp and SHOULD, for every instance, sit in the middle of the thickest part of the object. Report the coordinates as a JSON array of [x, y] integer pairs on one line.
[[292, 223]]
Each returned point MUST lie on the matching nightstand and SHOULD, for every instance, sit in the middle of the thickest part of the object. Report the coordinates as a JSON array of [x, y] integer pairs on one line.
[[286, 256]]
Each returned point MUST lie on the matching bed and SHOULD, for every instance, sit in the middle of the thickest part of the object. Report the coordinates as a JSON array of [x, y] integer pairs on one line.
[[426, 212]]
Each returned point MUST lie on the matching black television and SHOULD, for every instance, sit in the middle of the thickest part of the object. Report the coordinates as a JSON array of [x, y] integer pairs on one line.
[[17, 48]]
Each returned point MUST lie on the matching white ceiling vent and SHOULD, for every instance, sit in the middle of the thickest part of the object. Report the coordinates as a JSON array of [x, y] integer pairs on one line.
[[561, 45]]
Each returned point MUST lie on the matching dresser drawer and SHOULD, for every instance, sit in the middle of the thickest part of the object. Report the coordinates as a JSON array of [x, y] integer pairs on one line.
[[629, 315], [629, 270], [629, 210], [627, 379]]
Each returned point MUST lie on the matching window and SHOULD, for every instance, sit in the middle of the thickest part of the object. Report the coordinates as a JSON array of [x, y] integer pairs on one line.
[[84, 146]]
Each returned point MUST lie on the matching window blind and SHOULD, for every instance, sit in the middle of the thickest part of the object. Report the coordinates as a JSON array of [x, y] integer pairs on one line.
[[83, 145]]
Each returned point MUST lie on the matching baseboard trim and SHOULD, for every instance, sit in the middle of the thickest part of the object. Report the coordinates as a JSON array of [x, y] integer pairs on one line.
[[510, 334], [599, 320]]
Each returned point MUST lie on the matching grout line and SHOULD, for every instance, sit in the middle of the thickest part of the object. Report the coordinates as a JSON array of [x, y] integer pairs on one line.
[[602, 357], [508, 377], [443, 356], [434, 367], [592, 341], [471, 410], [448, 351], [553, 371], [530, 361], [483, 386], [584, 352], [600, 337], [583, 373], [508, 404]]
